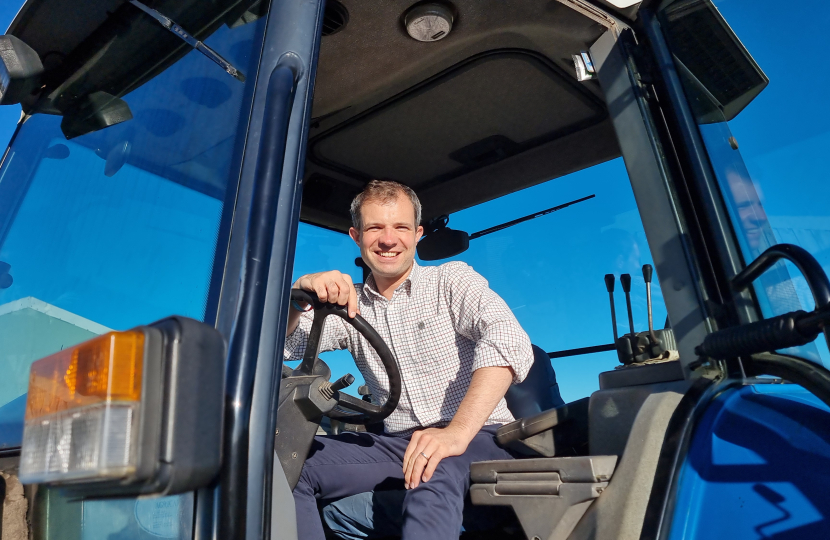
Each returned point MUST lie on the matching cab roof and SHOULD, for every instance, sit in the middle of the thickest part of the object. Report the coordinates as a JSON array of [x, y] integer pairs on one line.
[[492, 108]]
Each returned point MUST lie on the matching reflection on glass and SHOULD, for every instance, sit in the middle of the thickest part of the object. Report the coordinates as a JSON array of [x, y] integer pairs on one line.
[[776, 292], [129, 519], [719, 80], [117, 227]]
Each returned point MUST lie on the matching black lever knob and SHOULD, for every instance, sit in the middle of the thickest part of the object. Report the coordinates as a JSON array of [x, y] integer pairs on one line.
[[625, 281], [647, 272], [343, 382], [609, 282]]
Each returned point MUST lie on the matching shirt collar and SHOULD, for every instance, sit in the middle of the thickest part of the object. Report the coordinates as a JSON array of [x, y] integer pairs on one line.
[[407, 286]]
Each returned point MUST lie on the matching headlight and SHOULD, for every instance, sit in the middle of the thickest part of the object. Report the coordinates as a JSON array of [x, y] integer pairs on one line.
[[128, 412]]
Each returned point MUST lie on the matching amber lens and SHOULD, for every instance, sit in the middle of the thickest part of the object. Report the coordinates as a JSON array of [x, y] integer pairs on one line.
[[107, 368]]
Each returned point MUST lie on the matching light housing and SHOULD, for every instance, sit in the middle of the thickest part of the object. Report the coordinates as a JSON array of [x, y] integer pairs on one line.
[[584, 66], [428, 22], [128, 413]]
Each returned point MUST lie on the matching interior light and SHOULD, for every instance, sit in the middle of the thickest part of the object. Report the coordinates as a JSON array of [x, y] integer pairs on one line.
[[622, 4], [584, 66], [428, 22]]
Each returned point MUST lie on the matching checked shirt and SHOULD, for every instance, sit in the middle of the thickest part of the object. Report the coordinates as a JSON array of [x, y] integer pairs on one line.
[[442, 323]]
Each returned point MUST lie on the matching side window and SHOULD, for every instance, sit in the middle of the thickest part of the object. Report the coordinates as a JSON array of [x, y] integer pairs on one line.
[[768, 158], [117, 227], [549, 270]]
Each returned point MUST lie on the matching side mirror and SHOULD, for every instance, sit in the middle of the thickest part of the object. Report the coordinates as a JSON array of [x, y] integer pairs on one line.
[[128, 413], [443, 243], [20, 70]]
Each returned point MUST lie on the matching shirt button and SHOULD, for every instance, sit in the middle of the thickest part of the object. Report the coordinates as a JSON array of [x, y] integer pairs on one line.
[[421, 325]]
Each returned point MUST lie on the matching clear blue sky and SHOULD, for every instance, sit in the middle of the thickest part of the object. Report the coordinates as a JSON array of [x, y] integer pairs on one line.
[[784, 136]]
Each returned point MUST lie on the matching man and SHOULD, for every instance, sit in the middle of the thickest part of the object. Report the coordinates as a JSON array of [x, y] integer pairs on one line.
[[458, 347]]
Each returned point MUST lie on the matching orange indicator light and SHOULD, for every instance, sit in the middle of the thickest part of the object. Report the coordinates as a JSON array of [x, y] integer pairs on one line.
[[105, 369]]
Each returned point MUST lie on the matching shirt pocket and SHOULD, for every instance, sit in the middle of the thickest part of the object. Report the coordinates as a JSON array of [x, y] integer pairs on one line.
[[434, 341]]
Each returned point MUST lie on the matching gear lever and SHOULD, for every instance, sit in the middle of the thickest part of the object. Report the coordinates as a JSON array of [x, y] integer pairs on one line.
[[609, 286], [647, 274], [625, 281]]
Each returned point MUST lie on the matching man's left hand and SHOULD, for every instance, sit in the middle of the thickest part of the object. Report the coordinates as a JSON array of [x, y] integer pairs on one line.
[[426, 450]]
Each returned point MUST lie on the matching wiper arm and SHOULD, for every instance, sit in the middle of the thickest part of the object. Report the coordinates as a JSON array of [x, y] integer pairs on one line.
[[479, 234], [190, 40]]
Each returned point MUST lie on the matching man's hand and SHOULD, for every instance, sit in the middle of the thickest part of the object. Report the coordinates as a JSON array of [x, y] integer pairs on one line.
[[488, 386], [333, 287], [435, 444]]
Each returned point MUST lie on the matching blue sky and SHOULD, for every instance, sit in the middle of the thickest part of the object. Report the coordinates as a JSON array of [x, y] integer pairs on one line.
[[550, 270]]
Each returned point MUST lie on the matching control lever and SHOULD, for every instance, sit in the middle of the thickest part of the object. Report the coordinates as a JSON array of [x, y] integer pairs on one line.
[[328, 388], [609, 286], [634, 347], [625, 281], [343, 382], [647, 274]]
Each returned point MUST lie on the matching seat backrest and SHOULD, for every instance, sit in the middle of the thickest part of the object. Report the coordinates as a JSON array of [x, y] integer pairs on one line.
[[538, 392]]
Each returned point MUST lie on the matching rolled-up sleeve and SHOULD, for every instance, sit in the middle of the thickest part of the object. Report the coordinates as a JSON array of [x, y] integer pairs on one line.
[[483, 317], [334, 336]]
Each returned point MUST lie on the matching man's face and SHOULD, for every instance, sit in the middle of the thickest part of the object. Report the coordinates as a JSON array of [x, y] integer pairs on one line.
[[389, 236]]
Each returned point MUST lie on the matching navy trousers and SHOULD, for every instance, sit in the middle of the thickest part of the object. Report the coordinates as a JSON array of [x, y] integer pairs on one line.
[[351, 463]]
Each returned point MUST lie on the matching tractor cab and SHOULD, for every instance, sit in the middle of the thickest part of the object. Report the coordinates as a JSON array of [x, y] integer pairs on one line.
[[178, 164]]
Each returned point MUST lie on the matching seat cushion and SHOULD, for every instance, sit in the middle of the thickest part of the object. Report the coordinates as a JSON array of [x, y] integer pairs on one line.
[[538, 392]]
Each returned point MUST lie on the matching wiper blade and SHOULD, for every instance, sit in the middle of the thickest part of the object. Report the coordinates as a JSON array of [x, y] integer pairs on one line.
[[190, 40], [479, 234]]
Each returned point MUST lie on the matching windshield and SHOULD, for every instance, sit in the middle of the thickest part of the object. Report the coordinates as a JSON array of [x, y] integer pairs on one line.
[[117, 228], [769, 160], [549, 270]]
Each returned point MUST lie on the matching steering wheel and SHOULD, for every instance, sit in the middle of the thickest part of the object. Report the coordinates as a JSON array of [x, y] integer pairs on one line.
[[363, 412]]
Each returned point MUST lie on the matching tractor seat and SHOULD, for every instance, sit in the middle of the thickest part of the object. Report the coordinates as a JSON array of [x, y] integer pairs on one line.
[[378, 514]]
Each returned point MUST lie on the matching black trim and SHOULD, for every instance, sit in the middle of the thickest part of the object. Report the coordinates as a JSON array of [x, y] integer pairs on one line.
[[245, 337], [569, 81], [582, 350], [679, 432], [2, 498], [10, 452]]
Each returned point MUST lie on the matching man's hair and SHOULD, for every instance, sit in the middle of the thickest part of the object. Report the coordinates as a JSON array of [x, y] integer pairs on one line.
[[384, 192]]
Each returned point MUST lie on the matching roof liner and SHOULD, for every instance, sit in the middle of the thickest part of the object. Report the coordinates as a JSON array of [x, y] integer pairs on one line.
[[458, 130]]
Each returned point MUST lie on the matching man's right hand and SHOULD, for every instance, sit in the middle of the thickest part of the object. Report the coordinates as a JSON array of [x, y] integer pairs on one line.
[[333, 287]]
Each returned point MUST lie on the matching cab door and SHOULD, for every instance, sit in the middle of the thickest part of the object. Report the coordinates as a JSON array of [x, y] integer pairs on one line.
[[188, 205], [254, 302]]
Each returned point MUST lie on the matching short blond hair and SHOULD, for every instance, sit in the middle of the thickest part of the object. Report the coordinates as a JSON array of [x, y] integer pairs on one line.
[[384, 192]]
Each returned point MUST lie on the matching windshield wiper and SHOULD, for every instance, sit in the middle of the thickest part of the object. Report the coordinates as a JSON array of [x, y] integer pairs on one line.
[[190, 40]]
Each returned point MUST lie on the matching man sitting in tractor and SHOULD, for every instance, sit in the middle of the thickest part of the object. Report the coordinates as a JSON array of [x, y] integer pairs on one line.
[[457, 360]]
